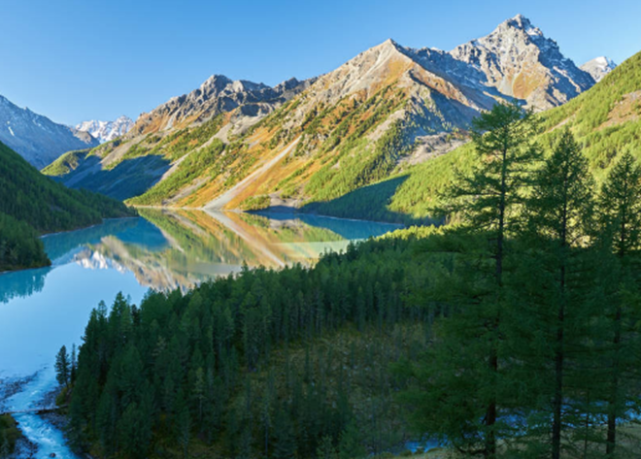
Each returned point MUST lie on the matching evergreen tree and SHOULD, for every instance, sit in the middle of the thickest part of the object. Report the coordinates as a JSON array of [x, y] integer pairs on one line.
[[63, 367], [350, 445], [183, 425], [620, 218], [326, 449], [488, 199], [558, 220], [284, 440], [73, 364]]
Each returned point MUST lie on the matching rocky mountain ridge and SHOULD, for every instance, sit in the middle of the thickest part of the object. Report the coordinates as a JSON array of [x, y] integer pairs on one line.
[[218, 94]]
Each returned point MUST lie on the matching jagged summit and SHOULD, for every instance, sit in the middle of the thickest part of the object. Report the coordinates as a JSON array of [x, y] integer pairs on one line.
[[520, 61], [521, 22]]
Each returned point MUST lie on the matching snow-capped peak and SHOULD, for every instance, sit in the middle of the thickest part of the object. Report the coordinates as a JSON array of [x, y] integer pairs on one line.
[[106, 131], [599, 67]]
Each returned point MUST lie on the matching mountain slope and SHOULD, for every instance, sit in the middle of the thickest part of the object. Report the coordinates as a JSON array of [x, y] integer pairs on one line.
[[385, 110], [606, 121], [161, 140], [106, 131], [35, 137], [31, 204]]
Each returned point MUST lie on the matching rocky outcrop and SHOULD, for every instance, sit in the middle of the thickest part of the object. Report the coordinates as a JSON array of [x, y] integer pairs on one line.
[[517, 60]]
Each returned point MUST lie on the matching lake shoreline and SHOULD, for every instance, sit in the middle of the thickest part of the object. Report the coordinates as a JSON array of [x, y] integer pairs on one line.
[[46, 235], [272, 211]]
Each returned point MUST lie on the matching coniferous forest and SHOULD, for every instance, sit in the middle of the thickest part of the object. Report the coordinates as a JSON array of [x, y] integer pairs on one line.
[[512, 331], [32, 204]]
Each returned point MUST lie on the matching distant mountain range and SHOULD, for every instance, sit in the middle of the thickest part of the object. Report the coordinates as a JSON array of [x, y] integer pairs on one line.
[[106, 131], [237, 144], [35, 137]]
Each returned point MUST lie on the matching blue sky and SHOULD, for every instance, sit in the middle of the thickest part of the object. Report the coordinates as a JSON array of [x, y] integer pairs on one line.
[[73, 60]]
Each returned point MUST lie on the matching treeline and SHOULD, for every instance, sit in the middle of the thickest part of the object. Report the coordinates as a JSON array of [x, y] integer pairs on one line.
[[275, 364], [32, 204]]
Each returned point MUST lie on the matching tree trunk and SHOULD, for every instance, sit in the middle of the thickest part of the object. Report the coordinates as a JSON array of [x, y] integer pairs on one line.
[[558, 389], [612, 409]]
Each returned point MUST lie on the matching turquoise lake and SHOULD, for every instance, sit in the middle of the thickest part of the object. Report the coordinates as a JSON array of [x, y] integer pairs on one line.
[[44, 309]]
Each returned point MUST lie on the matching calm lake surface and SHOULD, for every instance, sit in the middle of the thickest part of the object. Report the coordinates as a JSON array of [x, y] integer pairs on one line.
[[43, 309]]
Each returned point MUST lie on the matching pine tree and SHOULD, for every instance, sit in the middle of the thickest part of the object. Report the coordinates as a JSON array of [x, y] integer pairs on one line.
[[350, 445], [73, 364], [284, 441], [488, 200], [63, 367], [183, 425], [326, 449], [620, 215], [558, 219]]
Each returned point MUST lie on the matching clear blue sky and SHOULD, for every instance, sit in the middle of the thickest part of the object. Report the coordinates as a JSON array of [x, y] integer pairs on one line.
[[73, 60]]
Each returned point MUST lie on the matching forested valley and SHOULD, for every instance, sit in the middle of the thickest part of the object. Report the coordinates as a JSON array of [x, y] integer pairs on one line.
[[32, 204], [512, 331]]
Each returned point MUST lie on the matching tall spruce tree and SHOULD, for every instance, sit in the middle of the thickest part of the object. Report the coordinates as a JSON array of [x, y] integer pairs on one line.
[[490, 197], [556, 280], [620, 218], [460, 392], [63, 367]]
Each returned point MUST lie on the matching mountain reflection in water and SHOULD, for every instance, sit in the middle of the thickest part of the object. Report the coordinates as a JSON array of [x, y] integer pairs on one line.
[[168, 250]]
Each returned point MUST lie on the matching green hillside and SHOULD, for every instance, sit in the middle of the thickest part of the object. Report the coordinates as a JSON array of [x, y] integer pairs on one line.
[[606, 121], [32, 204]]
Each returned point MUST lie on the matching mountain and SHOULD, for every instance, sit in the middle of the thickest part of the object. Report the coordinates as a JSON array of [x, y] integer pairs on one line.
[[35, 137], [245, 145], [599, 67], [518, 60], [106, 131], [217, 95], [160, 140], [606, 121], [32, 204]]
